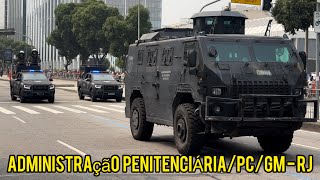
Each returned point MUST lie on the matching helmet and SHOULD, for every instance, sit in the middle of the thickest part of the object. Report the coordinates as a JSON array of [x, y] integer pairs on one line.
[[21, 52], [34, 52]]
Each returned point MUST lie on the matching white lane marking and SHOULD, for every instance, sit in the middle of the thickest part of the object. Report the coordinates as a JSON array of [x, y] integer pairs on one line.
[[72, 148], [26, 110], [102, 107], [70, 109], [48, 109], [5, 111], [303, 131], [19, 119], [310, 147], [90, 109], [117, 106]]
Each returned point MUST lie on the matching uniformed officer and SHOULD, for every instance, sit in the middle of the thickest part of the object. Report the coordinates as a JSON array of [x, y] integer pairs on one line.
[[21, 58], [34, 59]]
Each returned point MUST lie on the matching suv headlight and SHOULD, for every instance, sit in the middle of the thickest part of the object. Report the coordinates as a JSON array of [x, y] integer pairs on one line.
[[98, 86], [27, 86], [217, 91], [51, 86]]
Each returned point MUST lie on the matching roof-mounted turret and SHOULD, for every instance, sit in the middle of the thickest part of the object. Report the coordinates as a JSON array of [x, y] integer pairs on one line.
[[219, 22]]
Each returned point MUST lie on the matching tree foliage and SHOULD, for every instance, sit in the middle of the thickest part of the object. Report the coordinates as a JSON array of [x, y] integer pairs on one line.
[[88, 21], [16, 46], [294, 14], [63, 37]]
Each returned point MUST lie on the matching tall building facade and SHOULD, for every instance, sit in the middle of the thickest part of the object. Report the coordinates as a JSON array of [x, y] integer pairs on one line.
[[2, 14], [36, 20]]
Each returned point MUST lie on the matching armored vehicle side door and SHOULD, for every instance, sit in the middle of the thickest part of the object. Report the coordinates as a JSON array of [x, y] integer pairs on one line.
[[149, 81], [16, 84], [86, 83]]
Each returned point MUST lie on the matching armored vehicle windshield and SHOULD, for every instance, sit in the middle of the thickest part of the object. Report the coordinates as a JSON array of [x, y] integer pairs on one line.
[[250, 51]]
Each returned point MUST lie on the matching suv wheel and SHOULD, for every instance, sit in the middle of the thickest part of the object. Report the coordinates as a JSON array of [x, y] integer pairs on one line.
[[51, 99], [275, 144], [22, 98], [93, 96], [81, 97], [140, 128], [119, 99], [13, 97], [186, 129]]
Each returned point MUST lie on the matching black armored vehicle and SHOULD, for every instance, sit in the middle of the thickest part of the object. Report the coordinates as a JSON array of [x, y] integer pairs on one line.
[[30, 83], [217, 83], [96, 83]]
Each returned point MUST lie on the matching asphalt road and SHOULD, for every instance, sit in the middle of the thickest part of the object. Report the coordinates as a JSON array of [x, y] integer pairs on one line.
[[101, 130]]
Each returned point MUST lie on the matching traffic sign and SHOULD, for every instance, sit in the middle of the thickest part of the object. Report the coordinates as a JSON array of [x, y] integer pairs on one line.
[[7, 55], [316, 22], [252, 2]]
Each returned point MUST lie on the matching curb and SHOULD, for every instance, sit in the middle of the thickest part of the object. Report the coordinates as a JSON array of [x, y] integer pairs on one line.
[[314, 127], [75, 91]]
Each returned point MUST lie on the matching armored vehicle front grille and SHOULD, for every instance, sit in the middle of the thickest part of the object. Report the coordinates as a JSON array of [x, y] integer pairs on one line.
[[107, 88], [260, 87], [40, 87]]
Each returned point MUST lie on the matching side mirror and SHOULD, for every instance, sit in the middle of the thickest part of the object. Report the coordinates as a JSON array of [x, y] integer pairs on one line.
[[88, 79], [118, 80], [18, 79], [303, 57], [50, 79], [192, 58]]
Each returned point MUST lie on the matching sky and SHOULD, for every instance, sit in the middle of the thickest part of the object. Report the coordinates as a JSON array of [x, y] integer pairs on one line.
[[175, 10]]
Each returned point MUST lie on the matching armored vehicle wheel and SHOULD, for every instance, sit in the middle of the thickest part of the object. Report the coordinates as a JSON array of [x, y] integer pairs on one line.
[[51, 99], [140, 128], [93, 96], [119, 99], [186, 127], [13, 98], [81, 97], [275, 144]]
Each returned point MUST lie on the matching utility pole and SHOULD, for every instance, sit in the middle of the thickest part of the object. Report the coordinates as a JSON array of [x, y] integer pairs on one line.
[[139, 20], [318, 56]]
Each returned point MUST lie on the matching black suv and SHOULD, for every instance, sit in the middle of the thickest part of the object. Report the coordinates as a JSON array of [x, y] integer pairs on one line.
[[32, 84], [102, 85]]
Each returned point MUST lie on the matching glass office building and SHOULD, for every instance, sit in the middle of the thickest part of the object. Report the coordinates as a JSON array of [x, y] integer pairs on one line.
[[35, 18]]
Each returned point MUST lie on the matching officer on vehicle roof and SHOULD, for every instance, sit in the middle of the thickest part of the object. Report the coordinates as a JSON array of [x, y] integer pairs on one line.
[[21, 57], [34, 59]]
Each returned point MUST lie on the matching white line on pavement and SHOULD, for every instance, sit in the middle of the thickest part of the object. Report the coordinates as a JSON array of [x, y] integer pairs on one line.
[[303, 131], [310, 147], [5, 111], [72, 148], [102, 107], [117, 106], [70, 109], [48, 109], [26, 110], [90, 109], [19, 119]]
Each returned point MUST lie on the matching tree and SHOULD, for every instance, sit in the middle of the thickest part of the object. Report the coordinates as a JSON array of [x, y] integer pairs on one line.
[[106, 62], [295, 15], [63, 37], [87, 23], [16, 46], [111, 69], [123, 32]]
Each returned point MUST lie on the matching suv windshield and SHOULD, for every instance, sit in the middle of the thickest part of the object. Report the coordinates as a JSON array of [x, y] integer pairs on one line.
[[102, 77], [34, 76], [240, 52]]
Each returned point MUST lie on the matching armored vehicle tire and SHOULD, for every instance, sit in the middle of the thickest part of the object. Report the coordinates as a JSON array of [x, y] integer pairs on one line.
[[93, 96], [13, 98], [119, 99], [51, 99], [22, 98], [81, 96], [186, 129], [140, 128], [275, 144]]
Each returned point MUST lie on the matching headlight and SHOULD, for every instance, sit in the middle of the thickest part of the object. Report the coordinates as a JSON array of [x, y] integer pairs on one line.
[[216, 91], [98, 86], [27, 86], [297, 92], [52, 86]]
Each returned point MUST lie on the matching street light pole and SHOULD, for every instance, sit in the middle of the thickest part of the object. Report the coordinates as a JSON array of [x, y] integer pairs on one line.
[[317, 58], [139, 20], [209, 4], [26, 37]]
